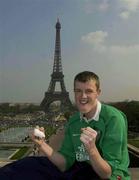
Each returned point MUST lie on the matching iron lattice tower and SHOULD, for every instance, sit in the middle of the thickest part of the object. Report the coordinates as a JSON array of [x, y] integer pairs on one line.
[[57, 76]]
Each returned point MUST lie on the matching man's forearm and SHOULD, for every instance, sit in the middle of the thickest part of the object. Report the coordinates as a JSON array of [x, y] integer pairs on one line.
[[101, 167], [55, 157]]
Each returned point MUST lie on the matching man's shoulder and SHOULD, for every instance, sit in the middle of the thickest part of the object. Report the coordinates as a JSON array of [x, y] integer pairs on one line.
[[106, 108], [108, 111]]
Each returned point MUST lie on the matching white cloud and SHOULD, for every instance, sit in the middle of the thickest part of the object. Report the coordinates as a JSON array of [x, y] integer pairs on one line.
[[95, 38], [128, 7]]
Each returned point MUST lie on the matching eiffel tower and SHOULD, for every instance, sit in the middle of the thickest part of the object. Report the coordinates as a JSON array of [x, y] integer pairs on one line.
[[57, 76]]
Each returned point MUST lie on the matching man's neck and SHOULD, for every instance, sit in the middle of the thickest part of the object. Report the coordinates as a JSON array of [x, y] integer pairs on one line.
[[91, 114]]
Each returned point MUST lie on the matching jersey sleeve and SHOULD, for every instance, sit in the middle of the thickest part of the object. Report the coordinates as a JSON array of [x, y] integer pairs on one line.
[[114, 148], [67, 149]]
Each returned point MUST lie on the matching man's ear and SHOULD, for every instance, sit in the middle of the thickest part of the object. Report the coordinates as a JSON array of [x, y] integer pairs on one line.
[[98, 91]]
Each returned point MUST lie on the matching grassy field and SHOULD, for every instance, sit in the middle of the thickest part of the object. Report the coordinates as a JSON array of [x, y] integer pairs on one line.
[[19, 154]]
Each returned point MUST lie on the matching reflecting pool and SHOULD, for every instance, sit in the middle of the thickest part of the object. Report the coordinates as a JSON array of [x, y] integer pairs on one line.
[[16, 134]]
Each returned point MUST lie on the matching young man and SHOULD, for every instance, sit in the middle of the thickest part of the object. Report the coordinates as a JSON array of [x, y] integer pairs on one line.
[[94, 147]]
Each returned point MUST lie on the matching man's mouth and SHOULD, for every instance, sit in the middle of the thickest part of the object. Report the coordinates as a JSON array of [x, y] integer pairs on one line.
[[83, 101]]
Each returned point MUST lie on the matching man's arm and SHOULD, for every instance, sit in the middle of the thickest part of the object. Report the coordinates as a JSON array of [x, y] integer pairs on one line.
[[101, 167], [55, 157]]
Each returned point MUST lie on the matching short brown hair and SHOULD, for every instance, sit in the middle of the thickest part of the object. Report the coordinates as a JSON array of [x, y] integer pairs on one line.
[[86, 76]]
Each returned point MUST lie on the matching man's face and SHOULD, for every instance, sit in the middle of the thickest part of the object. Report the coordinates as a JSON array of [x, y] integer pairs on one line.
[[86, 94]]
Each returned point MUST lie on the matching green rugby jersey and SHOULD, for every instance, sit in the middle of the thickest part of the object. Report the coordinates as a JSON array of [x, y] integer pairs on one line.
[[111, 140]]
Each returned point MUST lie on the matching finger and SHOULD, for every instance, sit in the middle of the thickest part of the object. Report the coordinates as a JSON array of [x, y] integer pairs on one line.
[[84, 136], [37, 141], [87, 133], [83, 140], [90, 132], [32, 137], [41, 129], [87, 138]]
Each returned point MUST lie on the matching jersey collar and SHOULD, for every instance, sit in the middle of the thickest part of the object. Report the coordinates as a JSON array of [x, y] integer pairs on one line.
[[96, 115]]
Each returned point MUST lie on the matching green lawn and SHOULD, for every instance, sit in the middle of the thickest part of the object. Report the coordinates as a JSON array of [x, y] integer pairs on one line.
[[19, 154]]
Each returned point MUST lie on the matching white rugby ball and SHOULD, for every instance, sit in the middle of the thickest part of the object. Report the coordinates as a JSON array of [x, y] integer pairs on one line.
[[39, 133]]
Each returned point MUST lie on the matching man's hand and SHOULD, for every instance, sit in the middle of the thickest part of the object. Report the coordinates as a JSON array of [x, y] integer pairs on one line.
[[34, 135], [88, 137]]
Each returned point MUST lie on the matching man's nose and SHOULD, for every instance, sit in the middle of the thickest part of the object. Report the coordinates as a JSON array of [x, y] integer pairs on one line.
[[84, 94]]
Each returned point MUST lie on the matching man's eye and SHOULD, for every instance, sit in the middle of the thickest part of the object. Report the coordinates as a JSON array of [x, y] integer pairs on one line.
[[89, 91], [77, 91]]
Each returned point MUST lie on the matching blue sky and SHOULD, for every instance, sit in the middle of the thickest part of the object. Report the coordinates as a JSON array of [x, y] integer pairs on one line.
[[97, 35]]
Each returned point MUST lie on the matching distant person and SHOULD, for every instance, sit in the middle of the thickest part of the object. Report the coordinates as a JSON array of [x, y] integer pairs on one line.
[[94, 146]]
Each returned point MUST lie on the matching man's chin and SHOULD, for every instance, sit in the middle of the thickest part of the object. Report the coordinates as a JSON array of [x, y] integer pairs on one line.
[[83, 111]]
